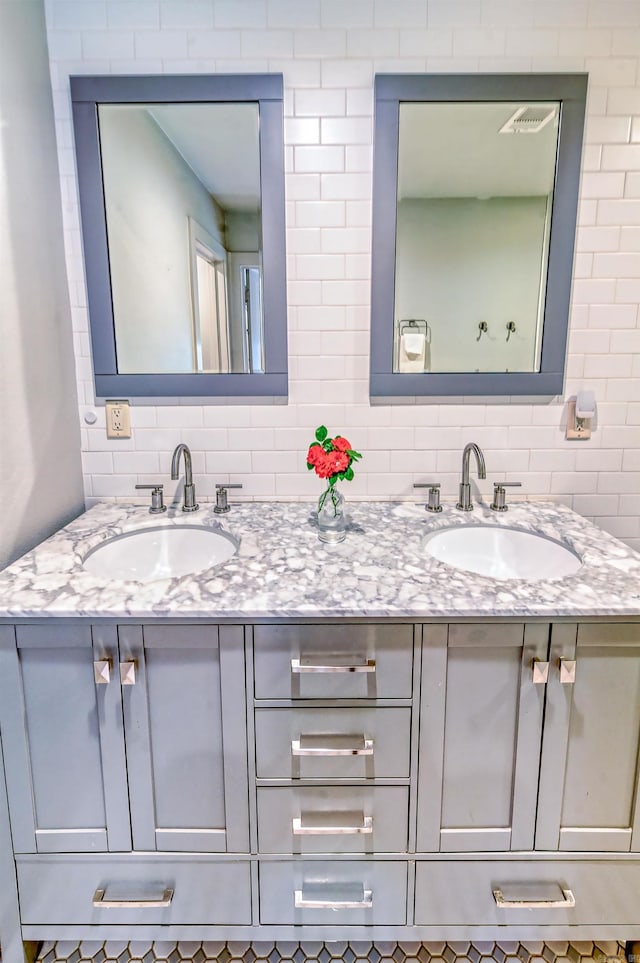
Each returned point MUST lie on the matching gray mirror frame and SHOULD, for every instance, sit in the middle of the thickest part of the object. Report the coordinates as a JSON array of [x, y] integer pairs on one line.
[[390, 91], [267, 91]]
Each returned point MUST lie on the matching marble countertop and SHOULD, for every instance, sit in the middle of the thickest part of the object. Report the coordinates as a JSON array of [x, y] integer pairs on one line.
[[281, 569]]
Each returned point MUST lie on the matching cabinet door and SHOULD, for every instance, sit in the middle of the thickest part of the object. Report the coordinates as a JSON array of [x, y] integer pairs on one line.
[[183, 696], [480, 730], [62, 736], [589, 796]]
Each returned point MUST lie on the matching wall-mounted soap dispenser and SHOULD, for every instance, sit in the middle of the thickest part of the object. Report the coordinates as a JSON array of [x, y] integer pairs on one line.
[[581, 411]]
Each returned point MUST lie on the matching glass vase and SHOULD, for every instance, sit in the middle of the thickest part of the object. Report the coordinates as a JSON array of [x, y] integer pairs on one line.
[[332, 526]]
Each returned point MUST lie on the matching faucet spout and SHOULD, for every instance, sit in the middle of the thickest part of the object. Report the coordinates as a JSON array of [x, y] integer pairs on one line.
[[464, 502], [189, 501]]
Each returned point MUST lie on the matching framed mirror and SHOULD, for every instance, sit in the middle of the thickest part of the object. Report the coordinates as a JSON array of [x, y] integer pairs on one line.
[[181, 183], [475, 194]]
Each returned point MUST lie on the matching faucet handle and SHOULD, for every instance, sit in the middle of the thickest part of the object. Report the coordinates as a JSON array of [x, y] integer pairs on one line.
[[222, 506], [499, 503], [433, 504], [157, 504]]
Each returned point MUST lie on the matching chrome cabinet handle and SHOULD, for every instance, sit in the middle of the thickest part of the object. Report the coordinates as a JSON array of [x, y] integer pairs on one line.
[[300, 902], [102, 672], [128, 673], [324, 826], [101, 903], [567, 671], [567, 902], [343, 745], [540, 672], [299, 667]]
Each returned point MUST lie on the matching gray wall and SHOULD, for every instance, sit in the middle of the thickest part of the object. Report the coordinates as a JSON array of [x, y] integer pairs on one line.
[[40, 469], [495, 245], [151, 192]]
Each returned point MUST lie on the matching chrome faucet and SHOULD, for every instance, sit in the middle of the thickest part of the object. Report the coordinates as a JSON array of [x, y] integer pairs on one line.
[[189, 503], [464, 502]]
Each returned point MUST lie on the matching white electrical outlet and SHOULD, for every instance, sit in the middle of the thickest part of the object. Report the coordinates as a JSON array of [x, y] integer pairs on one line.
[[118, 419]]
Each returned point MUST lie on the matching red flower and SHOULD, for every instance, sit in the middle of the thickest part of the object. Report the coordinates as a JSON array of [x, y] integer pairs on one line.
[[339, 461], [341, 444], [315, 455]]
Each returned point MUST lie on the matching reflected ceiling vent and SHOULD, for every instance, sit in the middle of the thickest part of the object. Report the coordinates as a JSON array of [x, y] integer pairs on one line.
[[529, 119]]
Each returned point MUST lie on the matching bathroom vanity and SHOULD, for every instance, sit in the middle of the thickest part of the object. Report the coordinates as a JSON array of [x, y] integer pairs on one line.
[[322, 742]]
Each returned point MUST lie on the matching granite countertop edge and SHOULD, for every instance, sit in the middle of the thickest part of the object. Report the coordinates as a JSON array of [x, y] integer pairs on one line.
[[281, 570]]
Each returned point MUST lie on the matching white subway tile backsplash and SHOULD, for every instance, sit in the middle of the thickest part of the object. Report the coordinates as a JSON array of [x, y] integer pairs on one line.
[[213, 43], [632, 184], [426, 43], [320, 43], [292, 13], [630, 238], [346, 73], [347, 130], [266, 43], [350, 186], [164, 44], [614, 13], [531, 43], [574, 482], [328, 51], [186, 13], [116, 45], [612, 315], [322, 159], [628, 291], [240, 13], [491, 41], [141, 14], [601, 184]]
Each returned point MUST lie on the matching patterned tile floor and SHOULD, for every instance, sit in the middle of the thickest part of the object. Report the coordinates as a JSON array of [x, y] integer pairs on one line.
[[361, 952]]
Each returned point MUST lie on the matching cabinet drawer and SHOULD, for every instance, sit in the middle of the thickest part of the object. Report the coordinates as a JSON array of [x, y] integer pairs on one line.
[[306, 743], [463, 892], [63, 890], [320, 892], [333, 819], [333, 661]]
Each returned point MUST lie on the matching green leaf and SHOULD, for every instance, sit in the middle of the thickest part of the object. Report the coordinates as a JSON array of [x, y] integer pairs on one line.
[[310, 467], [354, 454], [321, 433], [349, 474]]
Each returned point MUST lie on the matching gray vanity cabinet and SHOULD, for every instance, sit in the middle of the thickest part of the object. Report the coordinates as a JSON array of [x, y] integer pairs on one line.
[[589, 799], [63, 740], [187, 784], [122, 745], [480, 729]]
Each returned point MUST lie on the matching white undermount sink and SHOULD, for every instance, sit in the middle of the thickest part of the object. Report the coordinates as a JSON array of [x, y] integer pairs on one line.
[[502, 553], [165, 551]]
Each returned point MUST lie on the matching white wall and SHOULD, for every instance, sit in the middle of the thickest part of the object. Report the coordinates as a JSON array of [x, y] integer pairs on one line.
[[40, 470], [328, 51]]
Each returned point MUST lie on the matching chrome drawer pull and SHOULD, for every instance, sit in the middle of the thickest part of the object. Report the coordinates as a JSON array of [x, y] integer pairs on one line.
[[568, 902], [101, 903], [332, 824], [298, 666], [102, 672], [540, 672], [332, 745], [567, 671], [363, 899], [128, 673]]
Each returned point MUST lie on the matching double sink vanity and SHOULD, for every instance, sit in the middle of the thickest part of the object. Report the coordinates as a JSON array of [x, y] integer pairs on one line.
[[321, 742]]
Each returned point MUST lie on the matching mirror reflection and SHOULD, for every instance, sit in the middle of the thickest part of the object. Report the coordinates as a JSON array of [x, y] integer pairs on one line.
[[474, 199], [184, 227]]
